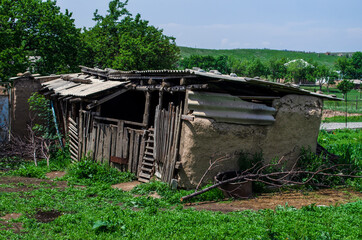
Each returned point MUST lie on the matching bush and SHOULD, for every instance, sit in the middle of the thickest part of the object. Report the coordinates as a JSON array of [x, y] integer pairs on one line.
[[88, 172]]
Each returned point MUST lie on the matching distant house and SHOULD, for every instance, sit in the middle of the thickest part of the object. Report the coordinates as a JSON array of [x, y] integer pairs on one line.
[[171, 123]]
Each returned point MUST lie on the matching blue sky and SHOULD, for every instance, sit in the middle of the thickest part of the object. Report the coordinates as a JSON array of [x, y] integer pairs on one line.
[[306, 25]]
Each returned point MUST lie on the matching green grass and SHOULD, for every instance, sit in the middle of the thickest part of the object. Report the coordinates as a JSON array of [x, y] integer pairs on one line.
[[354, 99], [343, 142], [262, 54], [343, 119], [100, 212]]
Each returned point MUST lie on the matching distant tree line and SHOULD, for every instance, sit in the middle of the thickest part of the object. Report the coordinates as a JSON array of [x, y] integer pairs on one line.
[[36, 36], [296, 71]]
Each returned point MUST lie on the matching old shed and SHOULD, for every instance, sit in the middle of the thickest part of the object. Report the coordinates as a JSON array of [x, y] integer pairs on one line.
[[171, 123]]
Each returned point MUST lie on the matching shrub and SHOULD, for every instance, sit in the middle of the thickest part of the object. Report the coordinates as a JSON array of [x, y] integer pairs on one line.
[[89, 172]]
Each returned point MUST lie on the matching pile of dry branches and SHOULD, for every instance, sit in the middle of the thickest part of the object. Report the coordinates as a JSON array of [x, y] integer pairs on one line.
[[272, 174]]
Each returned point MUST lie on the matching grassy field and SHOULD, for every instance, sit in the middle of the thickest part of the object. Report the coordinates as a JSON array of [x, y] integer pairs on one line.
[[263, 54], [354, 99], [64, 210]]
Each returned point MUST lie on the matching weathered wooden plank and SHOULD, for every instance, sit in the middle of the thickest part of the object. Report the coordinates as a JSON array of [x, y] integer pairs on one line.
[[107, 144], [125, 143], [114, 140], [100, 143], [147, 109], [119, 143], [135, 153], [80, 135], [118, 160], [141, 151], [131, 143], [176, 144]]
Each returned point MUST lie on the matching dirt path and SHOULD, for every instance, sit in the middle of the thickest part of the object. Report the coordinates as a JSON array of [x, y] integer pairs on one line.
[[297, 199], [329, 113], [326, 197]]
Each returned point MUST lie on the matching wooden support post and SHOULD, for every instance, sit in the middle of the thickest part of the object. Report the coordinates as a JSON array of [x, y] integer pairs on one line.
[[147, 109], [160, 98]]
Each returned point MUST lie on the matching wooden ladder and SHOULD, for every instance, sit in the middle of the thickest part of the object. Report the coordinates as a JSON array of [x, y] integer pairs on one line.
[[148, 161]]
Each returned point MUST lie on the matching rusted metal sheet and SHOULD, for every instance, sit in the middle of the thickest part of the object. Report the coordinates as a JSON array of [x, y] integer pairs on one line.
[[229, 109], [4, 118]]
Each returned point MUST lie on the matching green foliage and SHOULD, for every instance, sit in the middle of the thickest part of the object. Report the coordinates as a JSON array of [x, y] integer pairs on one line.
[[35, 28], [207, 63], [345, 86], [120, 41], [105, 213], [346, 143], [263, 54], [343, 119], [88, 172], [174, 196], [350, 67], [40, 107], [277, 69], [30, 170]]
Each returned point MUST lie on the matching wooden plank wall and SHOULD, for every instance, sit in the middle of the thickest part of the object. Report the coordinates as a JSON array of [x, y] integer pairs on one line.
[[105, 141], [73, 139], [167, 137]]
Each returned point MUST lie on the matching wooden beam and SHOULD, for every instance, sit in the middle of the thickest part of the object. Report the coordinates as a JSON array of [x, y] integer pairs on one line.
[[258, 97], [106, 99], [147, 108]]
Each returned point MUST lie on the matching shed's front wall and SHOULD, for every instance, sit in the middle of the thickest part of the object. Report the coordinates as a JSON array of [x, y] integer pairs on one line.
[[297, 124]]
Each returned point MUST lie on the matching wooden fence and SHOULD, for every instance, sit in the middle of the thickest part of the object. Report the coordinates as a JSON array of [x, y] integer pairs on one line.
[[167, 137], [111, 141]]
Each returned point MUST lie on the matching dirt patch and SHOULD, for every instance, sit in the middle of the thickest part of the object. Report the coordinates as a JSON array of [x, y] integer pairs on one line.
[[47, 216], [24, 184], [329, 113], [11, 216], [16, 227], [127, 186], [56, 174], [296, 199]]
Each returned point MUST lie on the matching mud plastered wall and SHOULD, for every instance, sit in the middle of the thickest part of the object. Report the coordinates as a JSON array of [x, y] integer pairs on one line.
[[22, 90], [297, 122]]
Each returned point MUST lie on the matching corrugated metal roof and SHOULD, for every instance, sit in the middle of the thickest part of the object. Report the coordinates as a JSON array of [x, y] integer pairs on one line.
[[229, 109], [69, 88]]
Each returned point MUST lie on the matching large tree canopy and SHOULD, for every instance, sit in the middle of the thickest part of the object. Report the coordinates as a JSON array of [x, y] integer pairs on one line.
[[35, 35], [120, 41]]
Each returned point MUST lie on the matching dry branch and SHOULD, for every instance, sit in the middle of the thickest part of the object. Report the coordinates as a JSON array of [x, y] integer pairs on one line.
[[277, 178]]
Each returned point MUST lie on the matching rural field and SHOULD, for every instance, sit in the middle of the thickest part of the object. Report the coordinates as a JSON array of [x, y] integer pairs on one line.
[[43, 203], [262, 54]]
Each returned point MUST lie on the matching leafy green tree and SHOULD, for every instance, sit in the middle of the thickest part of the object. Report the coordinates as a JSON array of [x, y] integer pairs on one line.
[[35, 35], [356, 62], [239, 67], [345, 86], [343, 64], [277, 68], [321, 74], [299, 71], [256, 68], [220, 63], [333, 76], [120, 41]]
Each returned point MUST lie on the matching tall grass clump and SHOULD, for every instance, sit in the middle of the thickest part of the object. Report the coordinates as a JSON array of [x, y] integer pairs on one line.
[[89, 172]]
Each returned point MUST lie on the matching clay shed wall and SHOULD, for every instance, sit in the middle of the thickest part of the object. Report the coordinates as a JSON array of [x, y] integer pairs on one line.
[[297, 121], [22, 90]]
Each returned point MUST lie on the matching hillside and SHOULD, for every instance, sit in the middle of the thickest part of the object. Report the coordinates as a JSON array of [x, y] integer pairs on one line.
[[263, 54]]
